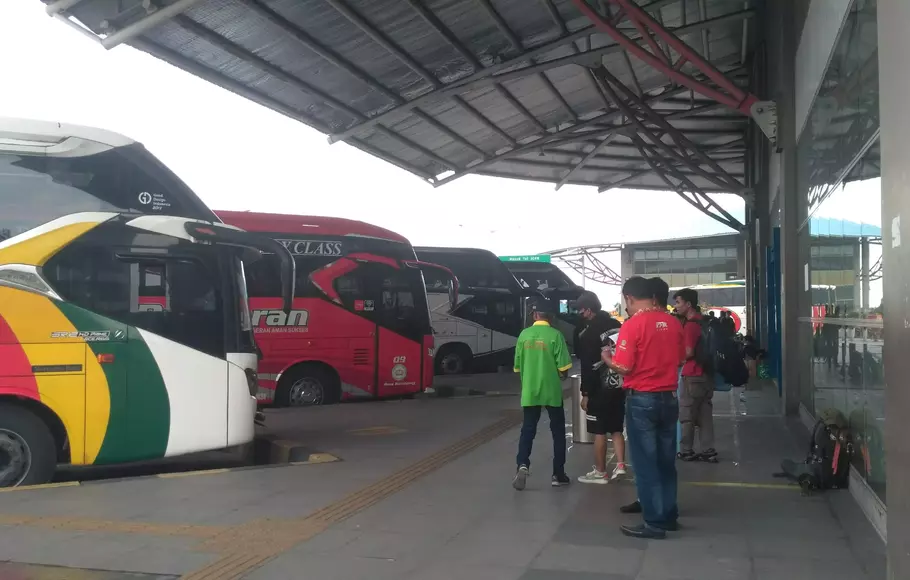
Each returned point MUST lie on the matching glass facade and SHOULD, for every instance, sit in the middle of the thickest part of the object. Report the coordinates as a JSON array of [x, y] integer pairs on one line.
[[687, 266], [839, 168]]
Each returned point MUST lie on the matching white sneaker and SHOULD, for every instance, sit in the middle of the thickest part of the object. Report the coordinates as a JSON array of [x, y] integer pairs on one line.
[[521, 478], [619, 470], [594, 476]]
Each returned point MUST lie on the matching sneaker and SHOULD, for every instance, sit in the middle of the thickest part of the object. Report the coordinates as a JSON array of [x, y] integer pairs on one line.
[[560, 480], [619, 470], [594, 476], [709, 453], [687, 455], [521, 478]]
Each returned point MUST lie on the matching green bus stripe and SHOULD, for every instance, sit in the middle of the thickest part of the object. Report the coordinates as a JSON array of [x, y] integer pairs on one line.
[[139, 420]]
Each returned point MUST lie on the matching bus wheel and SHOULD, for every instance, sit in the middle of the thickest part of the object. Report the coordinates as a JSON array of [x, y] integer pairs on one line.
[[307, 386], [453, 360], [28, 455]]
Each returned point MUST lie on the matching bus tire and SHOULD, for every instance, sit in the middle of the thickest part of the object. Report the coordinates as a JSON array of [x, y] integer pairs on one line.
[[308, 385], [27, 448], [453, 359]]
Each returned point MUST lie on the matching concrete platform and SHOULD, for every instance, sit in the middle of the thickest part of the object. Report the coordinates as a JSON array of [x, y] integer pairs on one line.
[[422, 491]]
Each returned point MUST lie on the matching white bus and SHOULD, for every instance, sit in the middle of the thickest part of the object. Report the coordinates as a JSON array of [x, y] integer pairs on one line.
[[729, 296], [480, 332]]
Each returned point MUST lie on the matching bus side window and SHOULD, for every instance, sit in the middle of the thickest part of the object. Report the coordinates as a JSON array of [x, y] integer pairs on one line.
[[115, 283], [263, 279], [353, 289]]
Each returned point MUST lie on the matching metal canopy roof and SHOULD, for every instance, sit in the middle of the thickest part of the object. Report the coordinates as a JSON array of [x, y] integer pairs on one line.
[[445, 88]]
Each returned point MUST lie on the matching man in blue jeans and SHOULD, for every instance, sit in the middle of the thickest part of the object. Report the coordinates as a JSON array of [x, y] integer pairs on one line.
[[649, 352], [543, 361]]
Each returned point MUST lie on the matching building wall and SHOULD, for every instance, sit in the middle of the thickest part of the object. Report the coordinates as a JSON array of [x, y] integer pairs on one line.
[[822, 73]]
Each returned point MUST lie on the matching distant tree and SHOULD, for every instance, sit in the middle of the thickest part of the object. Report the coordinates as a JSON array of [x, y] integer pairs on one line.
[[5, 234]]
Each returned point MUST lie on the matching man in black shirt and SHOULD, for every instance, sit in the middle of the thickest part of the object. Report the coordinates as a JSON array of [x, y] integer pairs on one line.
[[603, 397]]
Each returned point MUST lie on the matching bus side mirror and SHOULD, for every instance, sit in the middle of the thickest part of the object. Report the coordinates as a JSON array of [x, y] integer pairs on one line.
[[451, 285], [453, 294]]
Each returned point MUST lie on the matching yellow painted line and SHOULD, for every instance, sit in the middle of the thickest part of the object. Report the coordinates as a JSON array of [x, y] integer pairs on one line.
[[193, 473], [40, 486], [77, 524], [316, 458], [741, 485], [385, 430], [249, 546]]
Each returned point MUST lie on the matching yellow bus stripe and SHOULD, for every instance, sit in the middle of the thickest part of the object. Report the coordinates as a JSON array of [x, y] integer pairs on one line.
[[32, 319]]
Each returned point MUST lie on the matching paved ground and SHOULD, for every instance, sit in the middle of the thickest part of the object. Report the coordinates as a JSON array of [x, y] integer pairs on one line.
[[423, 492]]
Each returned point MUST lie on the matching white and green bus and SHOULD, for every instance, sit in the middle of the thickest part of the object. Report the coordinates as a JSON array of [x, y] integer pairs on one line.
[[125, 333]]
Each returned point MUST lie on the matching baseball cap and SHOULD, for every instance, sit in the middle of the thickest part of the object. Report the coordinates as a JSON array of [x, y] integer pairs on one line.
[[588, 300]]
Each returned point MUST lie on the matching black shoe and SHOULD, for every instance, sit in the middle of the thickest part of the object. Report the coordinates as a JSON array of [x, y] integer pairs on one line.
[[708, 454], [687, 456], [671, 527], [560, 480], [632, 508], [644, 532]]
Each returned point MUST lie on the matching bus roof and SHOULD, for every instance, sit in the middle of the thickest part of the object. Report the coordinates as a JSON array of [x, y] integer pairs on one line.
[[307, 225], [52, 139]]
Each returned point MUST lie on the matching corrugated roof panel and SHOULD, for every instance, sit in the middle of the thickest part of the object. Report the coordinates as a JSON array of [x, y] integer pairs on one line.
[[352, 77]]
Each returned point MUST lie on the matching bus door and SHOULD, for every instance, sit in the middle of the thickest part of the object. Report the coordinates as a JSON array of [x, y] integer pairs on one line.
[[390, 303], [403, 324]]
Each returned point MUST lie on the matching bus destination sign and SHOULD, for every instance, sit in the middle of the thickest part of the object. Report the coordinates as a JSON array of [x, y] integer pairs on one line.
[[541, 258]]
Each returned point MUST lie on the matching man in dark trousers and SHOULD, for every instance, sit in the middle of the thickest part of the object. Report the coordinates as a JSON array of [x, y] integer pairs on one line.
[[649, 352], [603, 399], [542, 360]]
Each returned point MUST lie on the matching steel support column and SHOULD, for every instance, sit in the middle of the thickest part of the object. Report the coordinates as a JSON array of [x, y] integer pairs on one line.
[[894, 86], [866, 273]]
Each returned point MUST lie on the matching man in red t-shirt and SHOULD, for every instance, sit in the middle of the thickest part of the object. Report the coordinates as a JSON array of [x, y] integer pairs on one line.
[[695, 400], [649, 351]]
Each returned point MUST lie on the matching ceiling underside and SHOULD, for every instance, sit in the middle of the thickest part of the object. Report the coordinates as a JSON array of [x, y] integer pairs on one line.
[[446, 88]]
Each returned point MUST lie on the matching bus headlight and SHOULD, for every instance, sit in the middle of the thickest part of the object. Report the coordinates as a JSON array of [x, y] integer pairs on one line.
[[431, 352], [252, 381]]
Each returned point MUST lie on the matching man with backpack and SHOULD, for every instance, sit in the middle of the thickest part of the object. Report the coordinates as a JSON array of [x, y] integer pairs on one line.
[[604, 400], [696, 408]]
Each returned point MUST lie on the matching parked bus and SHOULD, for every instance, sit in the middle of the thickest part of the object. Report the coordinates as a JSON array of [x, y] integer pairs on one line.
[[124, 328], [556, 287], [729, 296], [479, 334], [360, 325]]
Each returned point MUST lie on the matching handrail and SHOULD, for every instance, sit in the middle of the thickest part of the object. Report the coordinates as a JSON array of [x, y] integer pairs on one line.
[[852, 322]]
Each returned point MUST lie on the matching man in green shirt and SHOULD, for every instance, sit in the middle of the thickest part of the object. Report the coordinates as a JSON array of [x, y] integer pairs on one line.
[[542, 359]]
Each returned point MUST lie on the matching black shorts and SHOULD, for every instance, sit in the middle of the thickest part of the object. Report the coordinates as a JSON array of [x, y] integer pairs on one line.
[[606, 412]]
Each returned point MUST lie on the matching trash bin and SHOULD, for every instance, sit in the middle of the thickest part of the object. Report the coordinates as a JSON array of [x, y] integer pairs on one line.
[[579, 423]]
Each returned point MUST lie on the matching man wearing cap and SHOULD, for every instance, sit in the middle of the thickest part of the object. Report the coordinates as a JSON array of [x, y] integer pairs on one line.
[[603, 398], [542, 359]]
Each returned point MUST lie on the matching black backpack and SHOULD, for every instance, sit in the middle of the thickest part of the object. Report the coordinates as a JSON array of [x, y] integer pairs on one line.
[[730, 365], [718, 354], [829, 454], [707, 346]]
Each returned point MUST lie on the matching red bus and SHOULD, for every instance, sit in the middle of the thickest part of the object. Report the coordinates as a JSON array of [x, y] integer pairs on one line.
[[360, 324]]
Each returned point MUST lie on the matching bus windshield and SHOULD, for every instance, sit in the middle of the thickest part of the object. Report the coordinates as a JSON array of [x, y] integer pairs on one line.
[[475, 269], [541, 276], [125, 179]]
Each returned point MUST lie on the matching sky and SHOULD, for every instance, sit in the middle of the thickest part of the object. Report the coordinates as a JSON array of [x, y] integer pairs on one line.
[[238, 155]]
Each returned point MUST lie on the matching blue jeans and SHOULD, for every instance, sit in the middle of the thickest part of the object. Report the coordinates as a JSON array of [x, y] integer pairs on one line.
[[529, 431], [651, 420]]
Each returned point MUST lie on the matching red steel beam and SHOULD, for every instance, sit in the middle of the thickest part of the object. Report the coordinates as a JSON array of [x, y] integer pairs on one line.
[[725, 92]]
